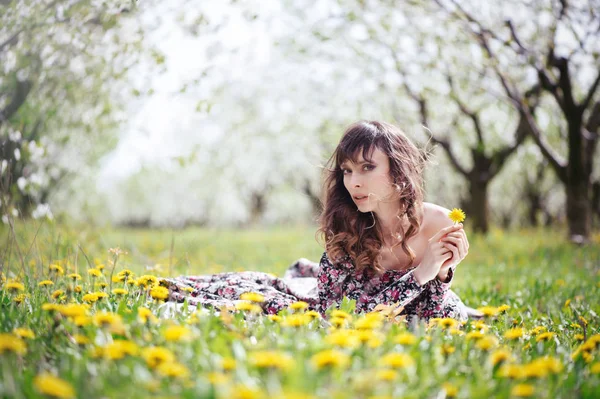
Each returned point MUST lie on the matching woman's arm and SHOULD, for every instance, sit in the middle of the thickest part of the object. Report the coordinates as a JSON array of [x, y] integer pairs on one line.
[[401, 291]]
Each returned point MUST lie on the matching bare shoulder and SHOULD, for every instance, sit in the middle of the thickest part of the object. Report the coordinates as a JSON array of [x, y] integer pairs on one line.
[[435, 218]]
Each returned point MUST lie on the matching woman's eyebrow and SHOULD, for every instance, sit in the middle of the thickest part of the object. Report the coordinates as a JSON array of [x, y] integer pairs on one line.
[[357, 163]]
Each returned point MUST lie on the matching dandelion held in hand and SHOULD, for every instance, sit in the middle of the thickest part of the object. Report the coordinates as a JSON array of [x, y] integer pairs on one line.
[[457, 215]]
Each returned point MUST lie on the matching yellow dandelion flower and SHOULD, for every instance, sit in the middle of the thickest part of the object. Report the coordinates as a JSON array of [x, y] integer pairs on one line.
[[45, 283], [300, 305], [405, 338], [57, 293], [81, 339], [78, 289], [341, 314], [522, 390], [274, 317], [20, 298], [474, 335], [502, 308], [547, 336], [24, 333], [101, 295], [487, 342], [146, 281], [567, 302], [228, 363], [488, 311], [338, 322], [51, 385], [313, 314], [296, 320], [102, 285], [14, 286], [330, 358], [578, 337], [107, 319], [369, 322], [595, 368], [50, 307], [177, 333], [120, 291], [386, 375], [252, 297], [456, 331], [247, 306], [118, 279], [271, 359], [343, 338], [82, 321], [12, 343], [447, 349], [451, 390], [146, 315], [94, 272], [457, 215], [514, 333], [73, 310], [513, 371], [217, 378], [160, 293], [583, 320], [447, 322], [90, 298], [537, 330], [119, 349], [74, 276], [397, 360], [56, 269], [500, 356], [157, 355]]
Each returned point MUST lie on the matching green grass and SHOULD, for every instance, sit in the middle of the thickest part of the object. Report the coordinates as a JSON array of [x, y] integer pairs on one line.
[[533, 271]]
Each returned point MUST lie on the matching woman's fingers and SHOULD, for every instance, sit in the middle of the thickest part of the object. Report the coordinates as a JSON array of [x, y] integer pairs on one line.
[[442, 232], [459, 243], [454, 250]]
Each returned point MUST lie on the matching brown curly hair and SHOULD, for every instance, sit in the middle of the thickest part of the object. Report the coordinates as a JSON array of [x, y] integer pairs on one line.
[[347, 231]]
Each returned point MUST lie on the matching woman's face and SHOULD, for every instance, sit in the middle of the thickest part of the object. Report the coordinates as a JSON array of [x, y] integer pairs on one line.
[[370, 183]]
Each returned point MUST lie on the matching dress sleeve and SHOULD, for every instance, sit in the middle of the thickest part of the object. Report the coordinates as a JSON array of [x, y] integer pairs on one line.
[[403, 290], [331, 281], [440, 288]]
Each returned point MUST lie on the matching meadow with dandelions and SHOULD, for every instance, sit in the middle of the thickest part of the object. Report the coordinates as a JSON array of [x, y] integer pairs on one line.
[[82, 317]]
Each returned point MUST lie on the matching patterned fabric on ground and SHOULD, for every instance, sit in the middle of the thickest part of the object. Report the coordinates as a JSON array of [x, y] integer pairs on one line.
[[322, 285]]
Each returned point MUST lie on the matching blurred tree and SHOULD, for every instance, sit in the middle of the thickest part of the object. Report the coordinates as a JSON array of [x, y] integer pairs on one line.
[[487, 163], [60, 61], [403, 57], [558, 44]]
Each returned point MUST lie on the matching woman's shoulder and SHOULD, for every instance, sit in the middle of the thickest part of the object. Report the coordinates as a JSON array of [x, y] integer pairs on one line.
[[435, 218]]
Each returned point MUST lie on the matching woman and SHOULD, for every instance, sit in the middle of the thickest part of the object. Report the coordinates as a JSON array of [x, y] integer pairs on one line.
[[383, 244]]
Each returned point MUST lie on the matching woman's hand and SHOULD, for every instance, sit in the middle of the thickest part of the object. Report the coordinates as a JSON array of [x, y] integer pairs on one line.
[[458, 244], [435, 255]]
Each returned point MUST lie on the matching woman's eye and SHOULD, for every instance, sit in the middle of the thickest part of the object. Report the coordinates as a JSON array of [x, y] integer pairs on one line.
[[346, 171], [368, 167]]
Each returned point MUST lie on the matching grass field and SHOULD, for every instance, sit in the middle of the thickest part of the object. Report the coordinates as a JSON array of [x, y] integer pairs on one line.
[[71, 334]]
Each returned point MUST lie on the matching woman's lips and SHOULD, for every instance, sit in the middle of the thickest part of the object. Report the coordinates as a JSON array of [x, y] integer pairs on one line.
[[360, 200]]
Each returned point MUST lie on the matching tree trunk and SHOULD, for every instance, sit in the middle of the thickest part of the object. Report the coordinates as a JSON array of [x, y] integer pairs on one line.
[[579, 213], [578, 184], [596, 200], [478, 208]]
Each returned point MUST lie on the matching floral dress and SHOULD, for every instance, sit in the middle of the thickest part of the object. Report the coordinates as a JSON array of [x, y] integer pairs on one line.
[[323, 285]]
